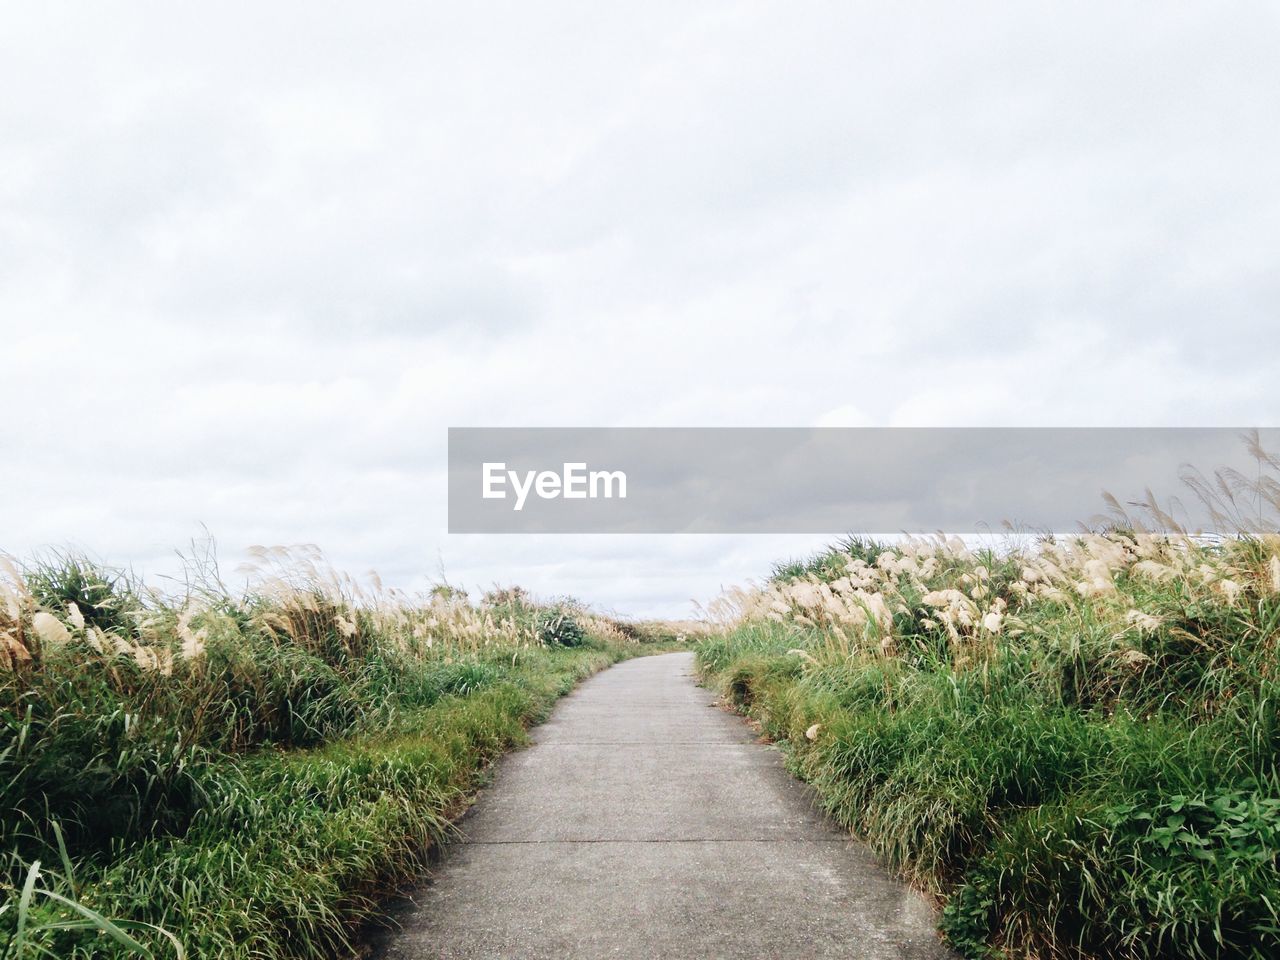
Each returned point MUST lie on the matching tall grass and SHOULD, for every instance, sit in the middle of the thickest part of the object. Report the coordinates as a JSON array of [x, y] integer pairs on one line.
[[243, 772], [1072, 743]]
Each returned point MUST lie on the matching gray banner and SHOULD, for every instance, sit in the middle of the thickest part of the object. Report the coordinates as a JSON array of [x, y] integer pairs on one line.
[[837, 480]]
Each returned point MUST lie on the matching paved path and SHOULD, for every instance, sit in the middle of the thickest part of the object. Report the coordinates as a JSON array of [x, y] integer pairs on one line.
[[647, 823]]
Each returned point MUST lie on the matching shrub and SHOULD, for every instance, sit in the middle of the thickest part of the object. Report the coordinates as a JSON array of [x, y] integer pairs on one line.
[[1072, 743], [558, 627], [246, 771]]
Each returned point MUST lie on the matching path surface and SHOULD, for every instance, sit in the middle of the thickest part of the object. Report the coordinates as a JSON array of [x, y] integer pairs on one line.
[[645, 822]]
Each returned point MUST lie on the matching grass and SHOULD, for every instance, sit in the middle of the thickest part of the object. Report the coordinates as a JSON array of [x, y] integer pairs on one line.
[[1072, 745], [245, 774]]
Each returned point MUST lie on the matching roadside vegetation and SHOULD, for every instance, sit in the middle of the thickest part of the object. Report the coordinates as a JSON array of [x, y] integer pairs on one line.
[[243, 773], [1072, 742]]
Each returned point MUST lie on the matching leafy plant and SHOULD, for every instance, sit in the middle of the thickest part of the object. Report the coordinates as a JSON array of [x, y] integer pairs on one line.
[[557, 627], [104, 598], [1074, 743], [33, 931], [243, 774]]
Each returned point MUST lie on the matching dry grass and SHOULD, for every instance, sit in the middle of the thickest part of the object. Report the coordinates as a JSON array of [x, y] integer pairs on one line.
[[248, 769], [1074, 741]]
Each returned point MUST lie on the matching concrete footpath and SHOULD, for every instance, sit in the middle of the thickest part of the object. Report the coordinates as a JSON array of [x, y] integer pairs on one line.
[[645, 822]]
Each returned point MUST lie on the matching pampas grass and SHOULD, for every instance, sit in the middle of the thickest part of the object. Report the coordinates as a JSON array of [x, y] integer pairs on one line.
[[247, 770], [1074, 743]]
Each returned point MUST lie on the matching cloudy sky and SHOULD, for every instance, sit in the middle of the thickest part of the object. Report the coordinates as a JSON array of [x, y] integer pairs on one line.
[[256, 258]]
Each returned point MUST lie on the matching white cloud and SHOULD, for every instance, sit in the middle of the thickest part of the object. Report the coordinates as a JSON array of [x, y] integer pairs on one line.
[[256, 260]]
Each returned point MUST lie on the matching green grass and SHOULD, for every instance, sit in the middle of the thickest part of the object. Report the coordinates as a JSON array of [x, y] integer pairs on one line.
[[245, 776], [291, 848], [1067, 785]]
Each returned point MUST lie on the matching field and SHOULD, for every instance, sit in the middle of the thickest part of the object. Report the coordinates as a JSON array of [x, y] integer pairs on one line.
[[243, 773], [1072, 743]]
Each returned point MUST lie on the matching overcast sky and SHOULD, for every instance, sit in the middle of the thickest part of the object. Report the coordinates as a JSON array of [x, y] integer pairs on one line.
[[256, 258]]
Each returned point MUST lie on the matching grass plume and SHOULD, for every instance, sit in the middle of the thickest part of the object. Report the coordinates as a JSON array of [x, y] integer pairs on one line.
[[1072, 743], [243, 773]]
